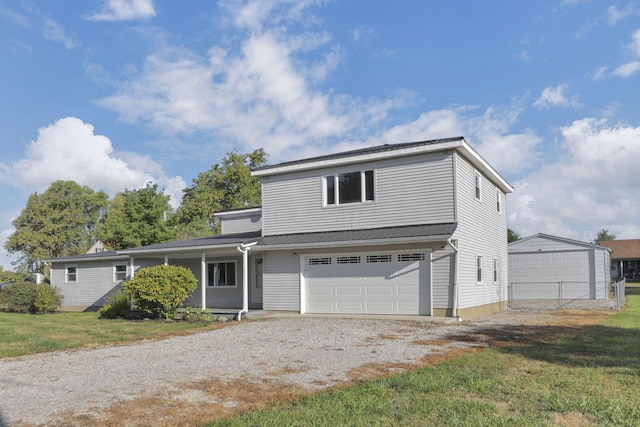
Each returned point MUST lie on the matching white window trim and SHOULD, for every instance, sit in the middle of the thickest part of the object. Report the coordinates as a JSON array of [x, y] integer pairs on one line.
[[126, 271], [336, 186], [66, 273], [496, 271], [477, 189], [480, 261], [235, 267]]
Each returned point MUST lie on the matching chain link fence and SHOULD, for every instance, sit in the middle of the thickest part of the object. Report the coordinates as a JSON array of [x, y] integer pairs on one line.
[[565, 295]]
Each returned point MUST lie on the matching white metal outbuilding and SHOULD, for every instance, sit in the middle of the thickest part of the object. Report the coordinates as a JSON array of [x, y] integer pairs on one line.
[[544, 267]]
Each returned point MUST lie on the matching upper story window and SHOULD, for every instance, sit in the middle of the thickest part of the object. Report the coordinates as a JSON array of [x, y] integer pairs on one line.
[[478, 186], [71, 274], [350, 187], [498, 201]]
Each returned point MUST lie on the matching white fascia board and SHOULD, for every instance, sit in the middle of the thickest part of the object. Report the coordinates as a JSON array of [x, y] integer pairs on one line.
[[372, 242], [87, 258], [179, 249], [482, 165], [367, 157], [238, 212]]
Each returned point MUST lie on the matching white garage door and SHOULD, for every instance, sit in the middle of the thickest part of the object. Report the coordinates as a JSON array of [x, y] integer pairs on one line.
[[536, 275], [380, 283]]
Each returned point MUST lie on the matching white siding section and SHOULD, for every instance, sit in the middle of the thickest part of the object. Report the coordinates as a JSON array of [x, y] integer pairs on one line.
[[94, 283], [482, 231], [281, 281], [408, 191], [442, 267], [241, 224]]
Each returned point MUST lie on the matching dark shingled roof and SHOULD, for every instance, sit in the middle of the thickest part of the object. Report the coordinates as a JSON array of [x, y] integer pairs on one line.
[[623, 249], [92, 255], [217, 240], [369, 150], [426, 230]]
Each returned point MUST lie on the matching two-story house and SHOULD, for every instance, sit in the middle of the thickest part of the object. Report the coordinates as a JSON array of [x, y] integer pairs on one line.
[[414, 229]]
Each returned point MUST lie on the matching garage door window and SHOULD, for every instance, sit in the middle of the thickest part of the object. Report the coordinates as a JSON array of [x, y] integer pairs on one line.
[[320, 261], [410, 257], [348, 260], [378, 258]]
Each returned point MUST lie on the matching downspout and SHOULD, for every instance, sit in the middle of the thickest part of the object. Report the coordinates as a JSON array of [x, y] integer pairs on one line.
[[244, 249], [454, 312]]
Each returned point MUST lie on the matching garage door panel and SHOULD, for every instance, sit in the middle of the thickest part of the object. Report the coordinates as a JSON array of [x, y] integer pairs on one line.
[[388, 286]]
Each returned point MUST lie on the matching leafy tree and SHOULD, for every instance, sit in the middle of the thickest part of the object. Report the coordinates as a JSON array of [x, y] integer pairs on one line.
[[227, 185], [512, 236], [136, 218], [59, 222], [603, 236], [161, 289]]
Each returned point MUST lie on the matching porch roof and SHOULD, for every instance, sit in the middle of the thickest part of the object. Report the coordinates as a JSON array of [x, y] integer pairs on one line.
[[623, 249], [383, 235], [209, 242]]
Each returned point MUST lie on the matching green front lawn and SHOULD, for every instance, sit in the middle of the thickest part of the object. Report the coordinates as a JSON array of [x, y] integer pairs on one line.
[[588, 378], [22, 334]]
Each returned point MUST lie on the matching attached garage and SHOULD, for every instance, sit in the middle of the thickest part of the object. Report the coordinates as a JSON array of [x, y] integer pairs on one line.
[[550, 267], [368, 283]]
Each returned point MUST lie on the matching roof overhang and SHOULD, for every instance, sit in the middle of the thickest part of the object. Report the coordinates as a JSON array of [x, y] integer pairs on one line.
[[349, 243], [390, 151]]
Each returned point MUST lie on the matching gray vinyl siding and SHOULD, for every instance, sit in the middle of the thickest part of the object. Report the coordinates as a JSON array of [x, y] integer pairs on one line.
[[482, 231], [442, 275], [281, 281], [408, 191], [95, 283], [241, 224], [541, 244]]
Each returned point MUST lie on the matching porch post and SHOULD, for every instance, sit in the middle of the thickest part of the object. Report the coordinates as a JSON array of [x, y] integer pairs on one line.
[[133, 273], [166, 260], [245, 281], [203, 278]]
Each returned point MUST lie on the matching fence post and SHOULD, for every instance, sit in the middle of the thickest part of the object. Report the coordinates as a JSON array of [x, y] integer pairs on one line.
[[559, 295]]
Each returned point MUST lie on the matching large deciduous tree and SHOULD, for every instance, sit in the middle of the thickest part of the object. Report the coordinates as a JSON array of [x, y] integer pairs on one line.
[[227, 185], [59, 222], [512, 236], [136, 218]]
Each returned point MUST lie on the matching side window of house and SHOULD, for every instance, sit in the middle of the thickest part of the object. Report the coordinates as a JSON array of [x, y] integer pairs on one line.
[[479, 269], [119, 272], [71, 274], [495, 270], [221, 274], [498, 201], [478, 186], [349, 187]]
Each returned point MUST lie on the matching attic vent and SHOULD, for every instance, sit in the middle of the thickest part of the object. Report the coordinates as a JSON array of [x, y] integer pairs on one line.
[[348, 260], [378, 258], [410, 257], [320, 261]]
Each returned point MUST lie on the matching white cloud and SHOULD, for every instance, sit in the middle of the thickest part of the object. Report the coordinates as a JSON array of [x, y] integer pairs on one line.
[[124, 10], [615, 14], [51, 30], [627, 70], [556, 97], [70, 150], [598, 74], [592, 184], [635, 43]]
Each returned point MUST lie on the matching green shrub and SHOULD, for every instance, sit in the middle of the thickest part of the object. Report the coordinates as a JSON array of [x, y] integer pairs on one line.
[[48, 298], [160, 290], [20, 297], [118, 304], [198, 315]]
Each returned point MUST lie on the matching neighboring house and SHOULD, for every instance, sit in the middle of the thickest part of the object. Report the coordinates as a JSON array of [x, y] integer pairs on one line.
[[541, 266], [416, 228], [625, 258], [98, 246]]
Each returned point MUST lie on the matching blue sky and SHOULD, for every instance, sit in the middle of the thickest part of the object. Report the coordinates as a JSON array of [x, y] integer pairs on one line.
[[117, 93]]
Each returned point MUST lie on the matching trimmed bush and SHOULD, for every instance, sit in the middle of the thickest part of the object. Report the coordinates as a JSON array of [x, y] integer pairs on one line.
[[117, 305], [48, 298], [160, 290], [28, 297], [20, 297]]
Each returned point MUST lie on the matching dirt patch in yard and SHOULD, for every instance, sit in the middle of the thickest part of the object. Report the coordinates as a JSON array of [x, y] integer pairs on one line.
[[200, 402]]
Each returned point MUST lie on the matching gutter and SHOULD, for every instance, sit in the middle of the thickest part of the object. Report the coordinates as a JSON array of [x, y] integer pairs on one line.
[[454, 312], [244, 250]]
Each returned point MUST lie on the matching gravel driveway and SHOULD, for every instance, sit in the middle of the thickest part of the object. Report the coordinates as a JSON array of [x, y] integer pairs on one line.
[[304, 352]]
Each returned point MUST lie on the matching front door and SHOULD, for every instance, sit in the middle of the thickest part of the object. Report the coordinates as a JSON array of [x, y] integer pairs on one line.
[[256, 283]]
